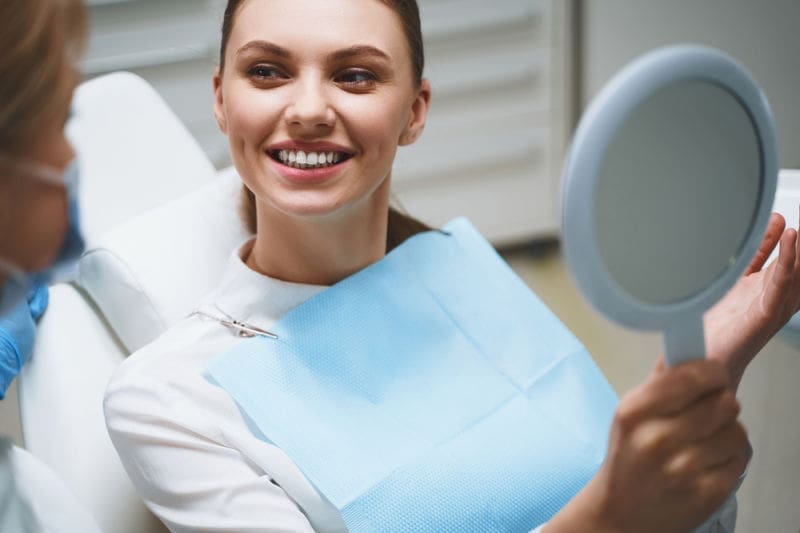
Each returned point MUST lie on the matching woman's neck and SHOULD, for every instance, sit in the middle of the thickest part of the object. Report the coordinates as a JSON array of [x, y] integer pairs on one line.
[[320, 250]]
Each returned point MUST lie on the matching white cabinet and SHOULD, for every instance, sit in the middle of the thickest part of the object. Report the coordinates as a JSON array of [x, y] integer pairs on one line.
[[171, 43], [501, 112]]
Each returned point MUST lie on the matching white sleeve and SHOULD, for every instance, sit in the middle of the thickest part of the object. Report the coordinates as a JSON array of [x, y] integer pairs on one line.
[[187, 477], [724, 520]]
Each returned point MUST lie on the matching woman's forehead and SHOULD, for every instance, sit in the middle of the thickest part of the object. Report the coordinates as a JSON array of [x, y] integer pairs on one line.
[[319, 26]]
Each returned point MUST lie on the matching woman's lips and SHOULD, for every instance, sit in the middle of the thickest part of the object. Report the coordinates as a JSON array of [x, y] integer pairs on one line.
[[298, 165]]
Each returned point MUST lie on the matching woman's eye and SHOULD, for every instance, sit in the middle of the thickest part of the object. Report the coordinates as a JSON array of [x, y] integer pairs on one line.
[[359, 79], [266, 72]]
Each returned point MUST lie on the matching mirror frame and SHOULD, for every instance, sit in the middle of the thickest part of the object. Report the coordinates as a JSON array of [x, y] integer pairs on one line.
[[600, 124]]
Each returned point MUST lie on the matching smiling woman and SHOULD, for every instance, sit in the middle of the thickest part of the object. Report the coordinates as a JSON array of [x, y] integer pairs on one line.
[[314, 125], [314, 119], [315, 97]]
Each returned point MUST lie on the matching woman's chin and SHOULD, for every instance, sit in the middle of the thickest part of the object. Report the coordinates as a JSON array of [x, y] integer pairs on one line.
[[310, 206]]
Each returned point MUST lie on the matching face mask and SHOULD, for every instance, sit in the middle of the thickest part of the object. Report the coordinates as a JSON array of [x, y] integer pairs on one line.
[[65, 265], [19, 281]]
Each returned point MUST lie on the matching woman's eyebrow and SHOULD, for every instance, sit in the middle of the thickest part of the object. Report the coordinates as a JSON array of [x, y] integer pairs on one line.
[[359, 50], [265, 46], [339, 55]]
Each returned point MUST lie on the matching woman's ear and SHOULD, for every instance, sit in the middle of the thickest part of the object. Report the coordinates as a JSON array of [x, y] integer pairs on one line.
[[219, 108], [419, 113]]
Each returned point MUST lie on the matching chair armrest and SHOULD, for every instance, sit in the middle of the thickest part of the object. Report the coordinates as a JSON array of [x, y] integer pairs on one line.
[[60, 396]]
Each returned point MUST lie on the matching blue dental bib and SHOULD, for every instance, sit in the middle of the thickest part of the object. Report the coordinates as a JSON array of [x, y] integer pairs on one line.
[[429, 392]]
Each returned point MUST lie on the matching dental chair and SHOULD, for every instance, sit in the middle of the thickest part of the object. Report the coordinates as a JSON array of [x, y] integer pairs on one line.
[[160, 224]]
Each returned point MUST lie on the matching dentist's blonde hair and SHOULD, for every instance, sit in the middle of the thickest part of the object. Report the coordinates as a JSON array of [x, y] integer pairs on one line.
[[40, 41]]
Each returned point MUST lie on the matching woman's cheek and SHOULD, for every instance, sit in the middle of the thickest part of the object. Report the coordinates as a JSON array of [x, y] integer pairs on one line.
[[253, 116], [375, 120]]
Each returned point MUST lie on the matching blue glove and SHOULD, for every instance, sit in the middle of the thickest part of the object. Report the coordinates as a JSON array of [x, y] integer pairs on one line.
[[17, 332]]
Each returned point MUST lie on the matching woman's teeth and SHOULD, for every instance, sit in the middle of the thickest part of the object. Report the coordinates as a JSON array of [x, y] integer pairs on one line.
[[303, 160]]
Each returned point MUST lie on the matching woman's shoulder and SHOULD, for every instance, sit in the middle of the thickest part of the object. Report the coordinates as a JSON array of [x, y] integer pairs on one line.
[[169, 370]]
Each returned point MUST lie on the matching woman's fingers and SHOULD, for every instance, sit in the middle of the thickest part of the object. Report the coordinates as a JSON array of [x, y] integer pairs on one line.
[[708, 416], [773, 234], [664, 436], [676, 450], [795, 291], [782, 295], [783, 275], [712, 453], [675, 453], [672, 391], [715, 484]]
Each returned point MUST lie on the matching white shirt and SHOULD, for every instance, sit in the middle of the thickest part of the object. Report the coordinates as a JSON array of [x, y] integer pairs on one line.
[[184, 442]]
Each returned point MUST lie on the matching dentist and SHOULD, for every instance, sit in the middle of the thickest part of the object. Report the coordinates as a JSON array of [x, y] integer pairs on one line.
[[39, 235]]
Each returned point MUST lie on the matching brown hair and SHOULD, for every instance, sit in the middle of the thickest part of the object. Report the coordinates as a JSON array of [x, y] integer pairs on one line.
[[401, 226], [40, 41]]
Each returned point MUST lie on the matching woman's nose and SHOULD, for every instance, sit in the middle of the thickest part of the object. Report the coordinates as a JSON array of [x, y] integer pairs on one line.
[[311, 108]]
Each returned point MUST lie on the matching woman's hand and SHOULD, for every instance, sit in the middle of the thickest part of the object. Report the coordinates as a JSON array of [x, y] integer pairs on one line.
[[676, 452], [758, 306]]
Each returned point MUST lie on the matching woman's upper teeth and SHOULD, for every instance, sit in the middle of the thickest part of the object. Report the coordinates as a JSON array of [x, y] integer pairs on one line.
[[299, 158]]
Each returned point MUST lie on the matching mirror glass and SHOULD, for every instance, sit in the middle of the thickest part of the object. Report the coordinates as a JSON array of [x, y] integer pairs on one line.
[[682, 166]]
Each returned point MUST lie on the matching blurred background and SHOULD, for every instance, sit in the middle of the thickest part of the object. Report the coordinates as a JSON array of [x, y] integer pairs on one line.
[[510, 80]]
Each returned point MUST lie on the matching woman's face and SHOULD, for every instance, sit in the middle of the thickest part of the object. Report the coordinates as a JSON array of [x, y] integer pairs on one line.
[[33, 211], [315, 97]]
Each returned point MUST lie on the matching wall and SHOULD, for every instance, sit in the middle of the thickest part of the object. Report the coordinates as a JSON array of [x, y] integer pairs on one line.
[[764, 36]]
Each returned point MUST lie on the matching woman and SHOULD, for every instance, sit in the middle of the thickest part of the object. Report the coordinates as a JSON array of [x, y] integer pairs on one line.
[[41, 40], [315, 97]]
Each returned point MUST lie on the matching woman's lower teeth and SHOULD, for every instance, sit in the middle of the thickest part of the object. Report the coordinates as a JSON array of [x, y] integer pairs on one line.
[[301, 166]]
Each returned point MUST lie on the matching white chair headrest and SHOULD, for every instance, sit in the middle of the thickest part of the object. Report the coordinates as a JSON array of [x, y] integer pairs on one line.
[[154, 247], [134, 153], [152, 271]]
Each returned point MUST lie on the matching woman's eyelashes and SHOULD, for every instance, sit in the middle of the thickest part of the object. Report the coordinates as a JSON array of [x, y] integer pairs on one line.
[[354, 79], [266, 73], [358, 79]]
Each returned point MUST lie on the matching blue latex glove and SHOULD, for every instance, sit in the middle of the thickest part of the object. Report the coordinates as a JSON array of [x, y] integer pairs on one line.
[[17, 332]]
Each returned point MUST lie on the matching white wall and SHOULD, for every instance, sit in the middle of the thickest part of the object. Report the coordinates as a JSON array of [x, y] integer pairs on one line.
[[765, 36]]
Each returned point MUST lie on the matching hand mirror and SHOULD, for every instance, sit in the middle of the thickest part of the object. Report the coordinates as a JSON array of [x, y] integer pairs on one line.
[[668, 187]]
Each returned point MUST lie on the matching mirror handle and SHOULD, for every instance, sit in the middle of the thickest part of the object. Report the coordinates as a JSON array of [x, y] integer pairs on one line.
[[684, 340]]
